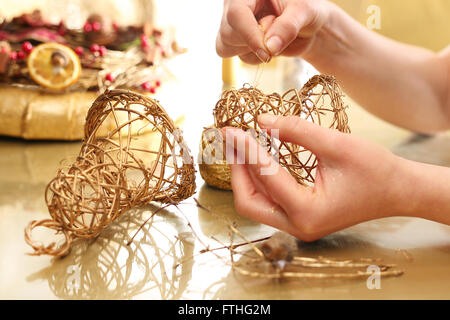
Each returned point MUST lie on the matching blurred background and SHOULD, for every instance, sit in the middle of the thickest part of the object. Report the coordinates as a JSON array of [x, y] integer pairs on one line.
[[419, 22]]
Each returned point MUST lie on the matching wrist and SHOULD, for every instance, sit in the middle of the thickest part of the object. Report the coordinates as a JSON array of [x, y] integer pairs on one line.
[[404, 200], [423, 191], [331, 45]]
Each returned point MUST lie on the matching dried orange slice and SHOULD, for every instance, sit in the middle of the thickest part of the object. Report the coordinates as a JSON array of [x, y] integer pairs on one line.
[[54, 66]]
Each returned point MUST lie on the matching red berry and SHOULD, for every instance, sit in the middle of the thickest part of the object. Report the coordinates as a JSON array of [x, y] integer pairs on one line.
[[158, 83], [20, 55], [79, 50], [145, 86], [94, 48], [152, 90], [61, 28], [109, 77], [144, 41], [87, 27], [102, 50], [115, 26], [3, 50], [96, 26], [13, 55], [27, 46]]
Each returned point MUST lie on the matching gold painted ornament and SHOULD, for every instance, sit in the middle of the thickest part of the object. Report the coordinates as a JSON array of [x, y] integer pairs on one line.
[[213, 167]]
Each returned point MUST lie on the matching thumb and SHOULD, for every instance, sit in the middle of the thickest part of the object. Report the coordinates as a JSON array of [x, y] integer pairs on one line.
[[242, 19], [298, 19], [313, 137]]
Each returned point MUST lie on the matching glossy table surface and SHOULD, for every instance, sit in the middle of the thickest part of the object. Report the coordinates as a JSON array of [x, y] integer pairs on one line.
[[164, 260]]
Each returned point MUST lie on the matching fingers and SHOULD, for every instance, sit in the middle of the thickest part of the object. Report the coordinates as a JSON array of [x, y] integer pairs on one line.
[[229, 43], [258, 185], [297, 47], [266, 22], [298, 19], [276, 181], [252, 204], [227, 51], [250, 58], [239, 28], [270, 197], [257, 41], [319, 140]]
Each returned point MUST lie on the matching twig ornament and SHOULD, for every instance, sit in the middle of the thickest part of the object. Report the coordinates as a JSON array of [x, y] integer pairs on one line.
[[319, 101], [115, 173]]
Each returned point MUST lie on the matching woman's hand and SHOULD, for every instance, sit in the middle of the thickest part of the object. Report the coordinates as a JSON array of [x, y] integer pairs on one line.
[[355, 180], [375, 71], [256, 30]]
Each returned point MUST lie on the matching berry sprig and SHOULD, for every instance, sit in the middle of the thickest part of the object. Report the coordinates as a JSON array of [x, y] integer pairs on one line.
[[27, 47], [98, 50], [109, 77], [151, 86]]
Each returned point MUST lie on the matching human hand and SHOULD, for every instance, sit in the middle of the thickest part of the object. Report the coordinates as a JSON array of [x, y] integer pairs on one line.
[[355, 181], [256, 30]]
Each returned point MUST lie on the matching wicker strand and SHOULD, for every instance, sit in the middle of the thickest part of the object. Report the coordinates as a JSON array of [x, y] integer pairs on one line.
[[115, 173], [319, 101]]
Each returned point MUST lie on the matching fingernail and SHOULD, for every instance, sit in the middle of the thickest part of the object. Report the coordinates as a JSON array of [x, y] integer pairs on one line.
[[274, 44], [266, 119], [262, 55]]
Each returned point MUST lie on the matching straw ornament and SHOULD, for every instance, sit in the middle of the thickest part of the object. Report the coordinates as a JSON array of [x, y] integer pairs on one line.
[[319, 101], [118, 172]]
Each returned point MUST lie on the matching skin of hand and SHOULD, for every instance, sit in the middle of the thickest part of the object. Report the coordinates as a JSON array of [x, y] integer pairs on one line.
[[356, 181], [402, 84], [255, 30]]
